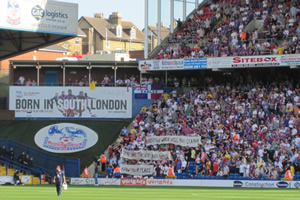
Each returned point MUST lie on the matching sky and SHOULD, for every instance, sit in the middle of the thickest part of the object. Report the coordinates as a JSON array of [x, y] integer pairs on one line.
[[132, 10]]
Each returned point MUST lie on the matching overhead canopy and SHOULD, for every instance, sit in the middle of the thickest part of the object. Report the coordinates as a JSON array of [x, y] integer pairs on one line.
[[31, 24], [80, 63]]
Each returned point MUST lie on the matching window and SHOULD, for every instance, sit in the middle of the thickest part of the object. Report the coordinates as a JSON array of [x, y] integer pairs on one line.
[[119, 31], [132, 33], [66, 45], [77, 41], [107, 43]]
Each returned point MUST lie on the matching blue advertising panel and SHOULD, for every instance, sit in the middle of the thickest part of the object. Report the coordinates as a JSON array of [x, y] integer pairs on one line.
[[195, 63]]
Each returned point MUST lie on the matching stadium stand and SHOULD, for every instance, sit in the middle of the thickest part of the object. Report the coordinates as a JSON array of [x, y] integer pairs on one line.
[[32, 162], [248, 126], [227, 28]]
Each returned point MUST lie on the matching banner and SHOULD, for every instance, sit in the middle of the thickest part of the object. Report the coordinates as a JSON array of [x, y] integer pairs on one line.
[[6, 179], [146, 155], [137, 170], [27, 180], [91, 181], [195, 63], [172, 64], [220, 62], [39, 16], [255, 61], [288, 60], [133, 181], [177, 140], [70, 102], [65, 138], [148, 91], [185, 182]]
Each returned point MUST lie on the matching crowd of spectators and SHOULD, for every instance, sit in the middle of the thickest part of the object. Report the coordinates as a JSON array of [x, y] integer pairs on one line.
[[247, 127], [131, 80], [23, 82], [222, 23], [23, 159]]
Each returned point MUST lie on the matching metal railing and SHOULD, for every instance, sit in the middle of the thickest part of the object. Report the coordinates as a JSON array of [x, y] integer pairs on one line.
[[44, 161], [29, 170]]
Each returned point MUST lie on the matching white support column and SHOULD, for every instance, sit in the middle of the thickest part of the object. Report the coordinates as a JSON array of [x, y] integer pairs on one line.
[[196, 4], [90, 75], [64, 75], [184, 10], [38, 75], [146, 31], [115, 75], [172, 16], [158, 22]]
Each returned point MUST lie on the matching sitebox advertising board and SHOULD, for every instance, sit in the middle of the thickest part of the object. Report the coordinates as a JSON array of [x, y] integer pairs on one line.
[[39, 16], [70, 102]]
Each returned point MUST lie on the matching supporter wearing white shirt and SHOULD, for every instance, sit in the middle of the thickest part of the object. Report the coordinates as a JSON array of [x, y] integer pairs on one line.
[[216, 40], [242, 169], [297, 141], [261, 152], [183, 164]]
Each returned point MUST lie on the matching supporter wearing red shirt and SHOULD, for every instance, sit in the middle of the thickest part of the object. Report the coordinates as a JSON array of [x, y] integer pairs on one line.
[[215, 168]]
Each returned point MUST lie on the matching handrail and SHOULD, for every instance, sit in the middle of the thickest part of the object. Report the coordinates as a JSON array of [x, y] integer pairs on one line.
[[19, 166], [47, 161]]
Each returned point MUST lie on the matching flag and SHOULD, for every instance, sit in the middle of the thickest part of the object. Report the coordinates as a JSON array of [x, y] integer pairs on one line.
[[148, 91], [93, 85]]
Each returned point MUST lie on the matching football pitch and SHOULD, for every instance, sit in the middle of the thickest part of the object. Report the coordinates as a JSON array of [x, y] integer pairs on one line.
[[144, 193]]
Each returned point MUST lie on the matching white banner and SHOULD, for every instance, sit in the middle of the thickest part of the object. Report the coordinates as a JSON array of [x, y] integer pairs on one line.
[[255, 61], [172, 64], [70, 102], [288, 60], [137, 170], [222, 62], [188, 182], [145, 155], [39, 16], [91, 181], [65, 138], [6, 179], [177, 140]]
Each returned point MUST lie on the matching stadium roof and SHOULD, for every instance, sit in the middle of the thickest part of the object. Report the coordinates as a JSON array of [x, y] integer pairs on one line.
[[80, 63], [24, 26]]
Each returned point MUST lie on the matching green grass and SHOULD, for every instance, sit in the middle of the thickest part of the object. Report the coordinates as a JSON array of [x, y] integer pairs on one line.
[[144, 193]]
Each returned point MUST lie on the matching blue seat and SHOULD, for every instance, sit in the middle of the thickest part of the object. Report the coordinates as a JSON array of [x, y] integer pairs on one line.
[[192, 163]]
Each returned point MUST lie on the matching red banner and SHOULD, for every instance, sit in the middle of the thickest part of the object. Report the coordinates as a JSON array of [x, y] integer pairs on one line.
[[133, 181]]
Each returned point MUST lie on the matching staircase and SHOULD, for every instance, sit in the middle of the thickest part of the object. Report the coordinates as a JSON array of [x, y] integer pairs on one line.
[[33, 180]]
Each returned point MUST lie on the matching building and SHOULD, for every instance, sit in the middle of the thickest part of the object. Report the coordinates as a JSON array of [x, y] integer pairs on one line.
[[47, 53], [109, 34], [74, 45], [153, 35]]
